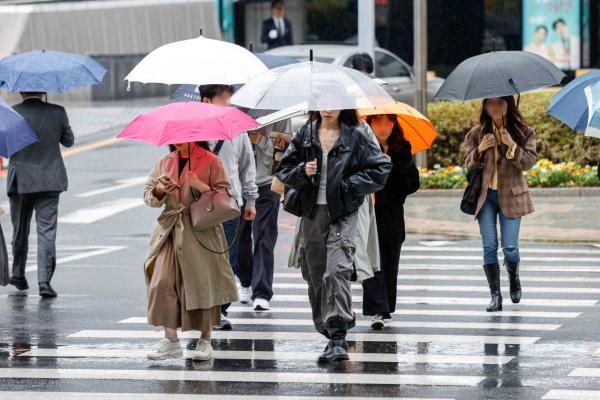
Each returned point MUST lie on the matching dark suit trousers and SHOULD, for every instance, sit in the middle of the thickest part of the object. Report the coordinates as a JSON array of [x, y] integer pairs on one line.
[[379, 292], [22, 206], [256, 258]]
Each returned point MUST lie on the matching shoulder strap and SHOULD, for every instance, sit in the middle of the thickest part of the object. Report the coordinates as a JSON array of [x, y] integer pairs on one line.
[[218, 147]]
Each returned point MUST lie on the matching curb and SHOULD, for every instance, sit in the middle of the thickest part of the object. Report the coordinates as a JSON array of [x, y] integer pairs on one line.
[[535, 192]]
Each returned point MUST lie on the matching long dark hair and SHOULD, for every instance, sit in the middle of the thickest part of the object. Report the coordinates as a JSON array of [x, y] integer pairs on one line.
[[204, 145], [396, 140], [347, 117], [515, 123]]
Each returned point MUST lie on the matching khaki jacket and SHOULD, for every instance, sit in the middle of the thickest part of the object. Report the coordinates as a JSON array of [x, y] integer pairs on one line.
[[208, 277], [513, 192]]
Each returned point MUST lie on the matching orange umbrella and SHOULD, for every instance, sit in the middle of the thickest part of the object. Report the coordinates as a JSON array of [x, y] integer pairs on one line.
[[418, 130]]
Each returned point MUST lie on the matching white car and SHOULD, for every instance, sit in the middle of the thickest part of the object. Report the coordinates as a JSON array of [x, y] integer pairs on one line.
[[388, 67]]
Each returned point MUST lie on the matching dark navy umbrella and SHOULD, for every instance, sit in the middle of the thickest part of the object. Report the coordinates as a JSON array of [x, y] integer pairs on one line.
[[498, 74], [570, 105], [190, 92], [48, 71], [15, 132]]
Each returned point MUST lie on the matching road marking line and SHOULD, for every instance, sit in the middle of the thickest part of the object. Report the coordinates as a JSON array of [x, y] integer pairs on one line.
[[101, 211], [457, 300], [524, 279], [177, 396], [586, 372], [464, 257], [241, 376], [461, 267], [394, 324], [572, 395], [93, 252], [88, 147], [279, 356], [459, 313], [455, 288], [479, 250], [121, 184], [309, 336]]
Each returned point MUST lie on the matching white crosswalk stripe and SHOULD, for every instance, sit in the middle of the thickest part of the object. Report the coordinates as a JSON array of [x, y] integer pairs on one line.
[[13, 395], [238, 376], [440, 336]]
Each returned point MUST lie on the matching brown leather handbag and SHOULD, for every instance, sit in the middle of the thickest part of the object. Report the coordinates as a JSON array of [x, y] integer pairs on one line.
[[213, 208]]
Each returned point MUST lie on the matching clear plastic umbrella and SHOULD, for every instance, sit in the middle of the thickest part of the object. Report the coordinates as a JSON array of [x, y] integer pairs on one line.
[[321, 86]]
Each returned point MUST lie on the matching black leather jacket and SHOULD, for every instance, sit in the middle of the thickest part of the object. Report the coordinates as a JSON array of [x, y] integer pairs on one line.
[[356, 167]]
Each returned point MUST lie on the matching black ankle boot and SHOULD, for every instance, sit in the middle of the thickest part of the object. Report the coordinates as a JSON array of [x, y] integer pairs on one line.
[[336, 350], [492, 273], [513, 280]]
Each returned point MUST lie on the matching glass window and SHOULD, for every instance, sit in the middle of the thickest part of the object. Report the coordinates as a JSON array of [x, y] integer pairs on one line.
[[387, 66]]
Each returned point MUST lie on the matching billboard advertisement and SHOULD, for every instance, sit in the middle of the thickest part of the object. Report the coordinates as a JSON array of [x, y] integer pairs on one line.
[[552, 29]]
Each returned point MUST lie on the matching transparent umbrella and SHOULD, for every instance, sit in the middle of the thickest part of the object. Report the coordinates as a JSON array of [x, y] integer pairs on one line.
[[321, 86]]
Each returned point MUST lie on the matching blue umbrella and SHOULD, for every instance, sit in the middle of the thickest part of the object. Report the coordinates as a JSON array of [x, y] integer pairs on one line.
[[592, 94], [570, 104], [190, 92], [15, 132], [48, 71]]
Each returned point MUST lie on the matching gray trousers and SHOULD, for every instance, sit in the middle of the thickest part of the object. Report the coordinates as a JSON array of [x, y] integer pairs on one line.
[[22, 206], [328, 249]]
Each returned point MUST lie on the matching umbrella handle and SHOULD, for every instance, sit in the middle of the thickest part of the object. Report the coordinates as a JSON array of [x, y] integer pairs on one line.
[[189, 158]]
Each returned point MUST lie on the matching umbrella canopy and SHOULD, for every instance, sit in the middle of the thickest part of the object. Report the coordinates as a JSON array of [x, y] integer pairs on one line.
[[498, 74], [322, 86], [186, 122], [15, 132], [592, 94], [418, 130], [199, 61], [570, 105], [190, 92], [49, 71]]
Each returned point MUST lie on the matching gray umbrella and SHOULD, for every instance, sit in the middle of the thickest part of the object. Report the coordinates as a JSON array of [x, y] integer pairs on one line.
[[497, 74]]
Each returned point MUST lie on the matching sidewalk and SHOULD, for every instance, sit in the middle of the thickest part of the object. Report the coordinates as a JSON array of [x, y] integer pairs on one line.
[[562, 215]]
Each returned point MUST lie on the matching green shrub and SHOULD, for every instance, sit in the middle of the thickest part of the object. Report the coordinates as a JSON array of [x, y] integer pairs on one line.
[[556, 141]]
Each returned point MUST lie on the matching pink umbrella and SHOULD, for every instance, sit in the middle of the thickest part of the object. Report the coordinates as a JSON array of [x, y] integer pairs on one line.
[[186, 122]]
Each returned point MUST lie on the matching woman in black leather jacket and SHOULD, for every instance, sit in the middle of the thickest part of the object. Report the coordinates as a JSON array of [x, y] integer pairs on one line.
[[330, 166]]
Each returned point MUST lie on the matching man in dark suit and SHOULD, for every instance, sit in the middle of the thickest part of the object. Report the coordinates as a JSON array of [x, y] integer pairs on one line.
[[36, 177], [277, 30]]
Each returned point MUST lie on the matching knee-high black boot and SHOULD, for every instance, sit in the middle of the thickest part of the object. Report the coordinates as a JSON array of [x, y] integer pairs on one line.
[[513, 280], [492, 272]]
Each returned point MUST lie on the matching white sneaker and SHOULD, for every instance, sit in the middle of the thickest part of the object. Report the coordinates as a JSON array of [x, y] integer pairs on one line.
[[261, 304], [245, 294], [225, 324], [203, 352], [165, 349], [377, 322]]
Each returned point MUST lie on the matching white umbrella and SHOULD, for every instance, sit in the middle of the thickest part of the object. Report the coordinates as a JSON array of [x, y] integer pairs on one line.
[[199, 61], [321, 86]]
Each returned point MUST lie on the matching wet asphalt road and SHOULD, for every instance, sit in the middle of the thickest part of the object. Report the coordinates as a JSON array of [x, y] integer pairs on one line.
[[90, 341]]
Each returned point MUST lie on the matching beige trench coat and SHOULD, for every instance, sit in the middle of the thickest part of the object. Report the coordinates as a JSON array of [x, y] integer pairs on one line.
[[208, 277]]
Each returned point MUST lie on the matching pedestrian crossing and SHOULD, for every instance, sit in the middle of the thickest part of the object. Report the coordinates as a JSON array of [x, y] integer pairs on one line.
[[441, 343], [579, 394]]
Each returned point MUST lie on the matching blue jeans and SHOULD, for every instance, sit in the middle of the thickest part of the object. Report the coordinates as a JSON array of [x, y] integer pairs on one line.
[[509, 231]]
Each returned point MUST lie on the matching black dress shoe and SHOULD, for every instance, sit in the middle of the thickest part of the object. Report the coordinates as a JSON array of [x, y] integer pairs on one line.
[[336, 350], [46, 290], [19, 283]]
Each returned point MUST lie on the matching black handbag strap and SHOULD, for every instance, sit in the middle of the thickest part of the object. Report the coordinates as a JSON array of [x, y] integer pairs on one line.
[[237, 232], [218, 147]]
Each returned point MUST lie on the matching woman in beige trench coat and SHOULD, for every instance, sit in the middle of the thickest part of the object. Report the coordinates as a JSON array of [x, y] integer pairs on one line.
[[186, 283]]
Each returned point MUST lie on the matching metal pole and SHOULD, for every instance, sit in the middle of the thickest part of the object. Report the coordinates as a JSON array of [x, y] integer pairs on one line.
[[366, 27], [420, 64]]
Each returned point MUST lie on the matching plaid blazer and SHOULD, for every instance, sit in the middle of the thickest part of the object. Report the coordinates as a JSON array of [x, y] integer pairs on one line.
[[513, 192]]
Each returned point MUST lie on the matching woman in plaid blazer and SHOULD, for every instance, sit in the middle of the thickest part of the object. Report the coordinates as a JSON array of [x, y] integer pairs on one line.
[[507, 147]]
